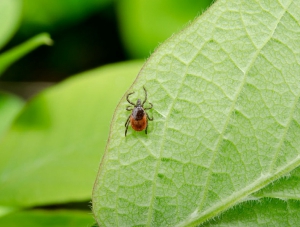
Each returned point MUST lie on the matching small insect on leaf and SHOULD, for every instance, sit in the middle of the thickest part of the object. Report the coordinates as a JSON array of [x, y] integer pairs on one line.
[[138, 118]]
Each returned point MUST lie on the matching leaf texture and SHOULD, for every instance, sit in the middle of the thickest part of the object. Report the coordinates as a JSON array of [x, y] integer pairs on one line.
[[226, 119]]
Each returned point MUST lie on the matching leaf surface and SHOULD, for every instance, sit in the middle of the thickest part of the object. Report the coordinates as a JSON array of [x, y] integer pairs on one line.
[[10, 13], [37, 218], [51, 152], [226, 119], [9, 107], [284, 188], [266, 212]]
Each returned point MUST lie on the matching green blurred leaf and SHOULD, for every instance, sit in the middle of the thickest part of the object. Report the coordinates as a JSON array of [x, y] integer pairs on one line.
[[145, 24], [38, 218], [226, 120], [51, 153], [57, 13], [9, 57], [6, 210], [9, 107], [10, 14]]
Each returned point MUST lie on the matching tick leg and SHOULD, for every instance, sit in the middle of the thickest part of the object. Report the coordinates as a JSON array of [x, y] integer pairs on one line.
[[126, 130], [145, 95], [127, 124], [148, 108], [127, 97], [146, 128], [129, 108], [150, 119], [127, 121]]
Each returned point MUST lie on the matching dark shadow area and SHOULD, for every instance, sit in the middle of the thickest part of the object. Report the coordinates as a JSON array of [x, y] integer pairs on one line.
[[92, 43], [86, 205]]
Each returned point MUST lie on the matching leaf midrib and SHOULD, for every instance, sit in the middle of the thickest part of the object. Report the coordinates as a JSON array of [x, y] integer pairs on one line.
[[241, 196]]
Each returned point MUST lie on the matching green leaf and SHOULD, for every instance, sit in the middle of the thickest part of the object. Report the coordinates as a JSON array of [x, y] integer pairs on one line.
[[145, 24], [52, 150], [285, 188], [57, 13], [10, 14], [226, 123], [9, 107], [267, 212], [6, 210], [37, 218], [9, 57]]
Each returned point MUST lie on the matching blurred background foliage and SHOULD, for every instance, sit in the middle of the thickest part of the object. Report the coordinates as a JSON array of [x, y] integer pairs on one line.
[[52, 140], [92, 33]]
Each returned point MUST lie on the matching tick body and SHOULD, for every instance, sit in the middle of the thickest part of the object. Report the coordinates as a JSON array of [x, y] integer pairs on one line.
[[138, 118]]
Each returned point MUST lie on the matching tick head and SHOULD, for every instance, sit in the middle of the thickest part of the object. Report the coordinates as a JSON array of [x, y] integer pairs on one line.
[[138, 103], [138, 113]]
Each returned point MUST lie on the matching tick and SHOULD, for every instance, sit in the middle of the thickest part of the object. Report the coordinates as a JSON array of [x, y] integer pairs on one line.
[[138, 118]]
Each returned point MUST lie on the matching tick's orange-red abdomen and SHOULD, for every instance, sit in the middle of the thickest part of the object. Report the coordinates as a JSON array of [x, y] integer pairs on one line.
[[138, 125]]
